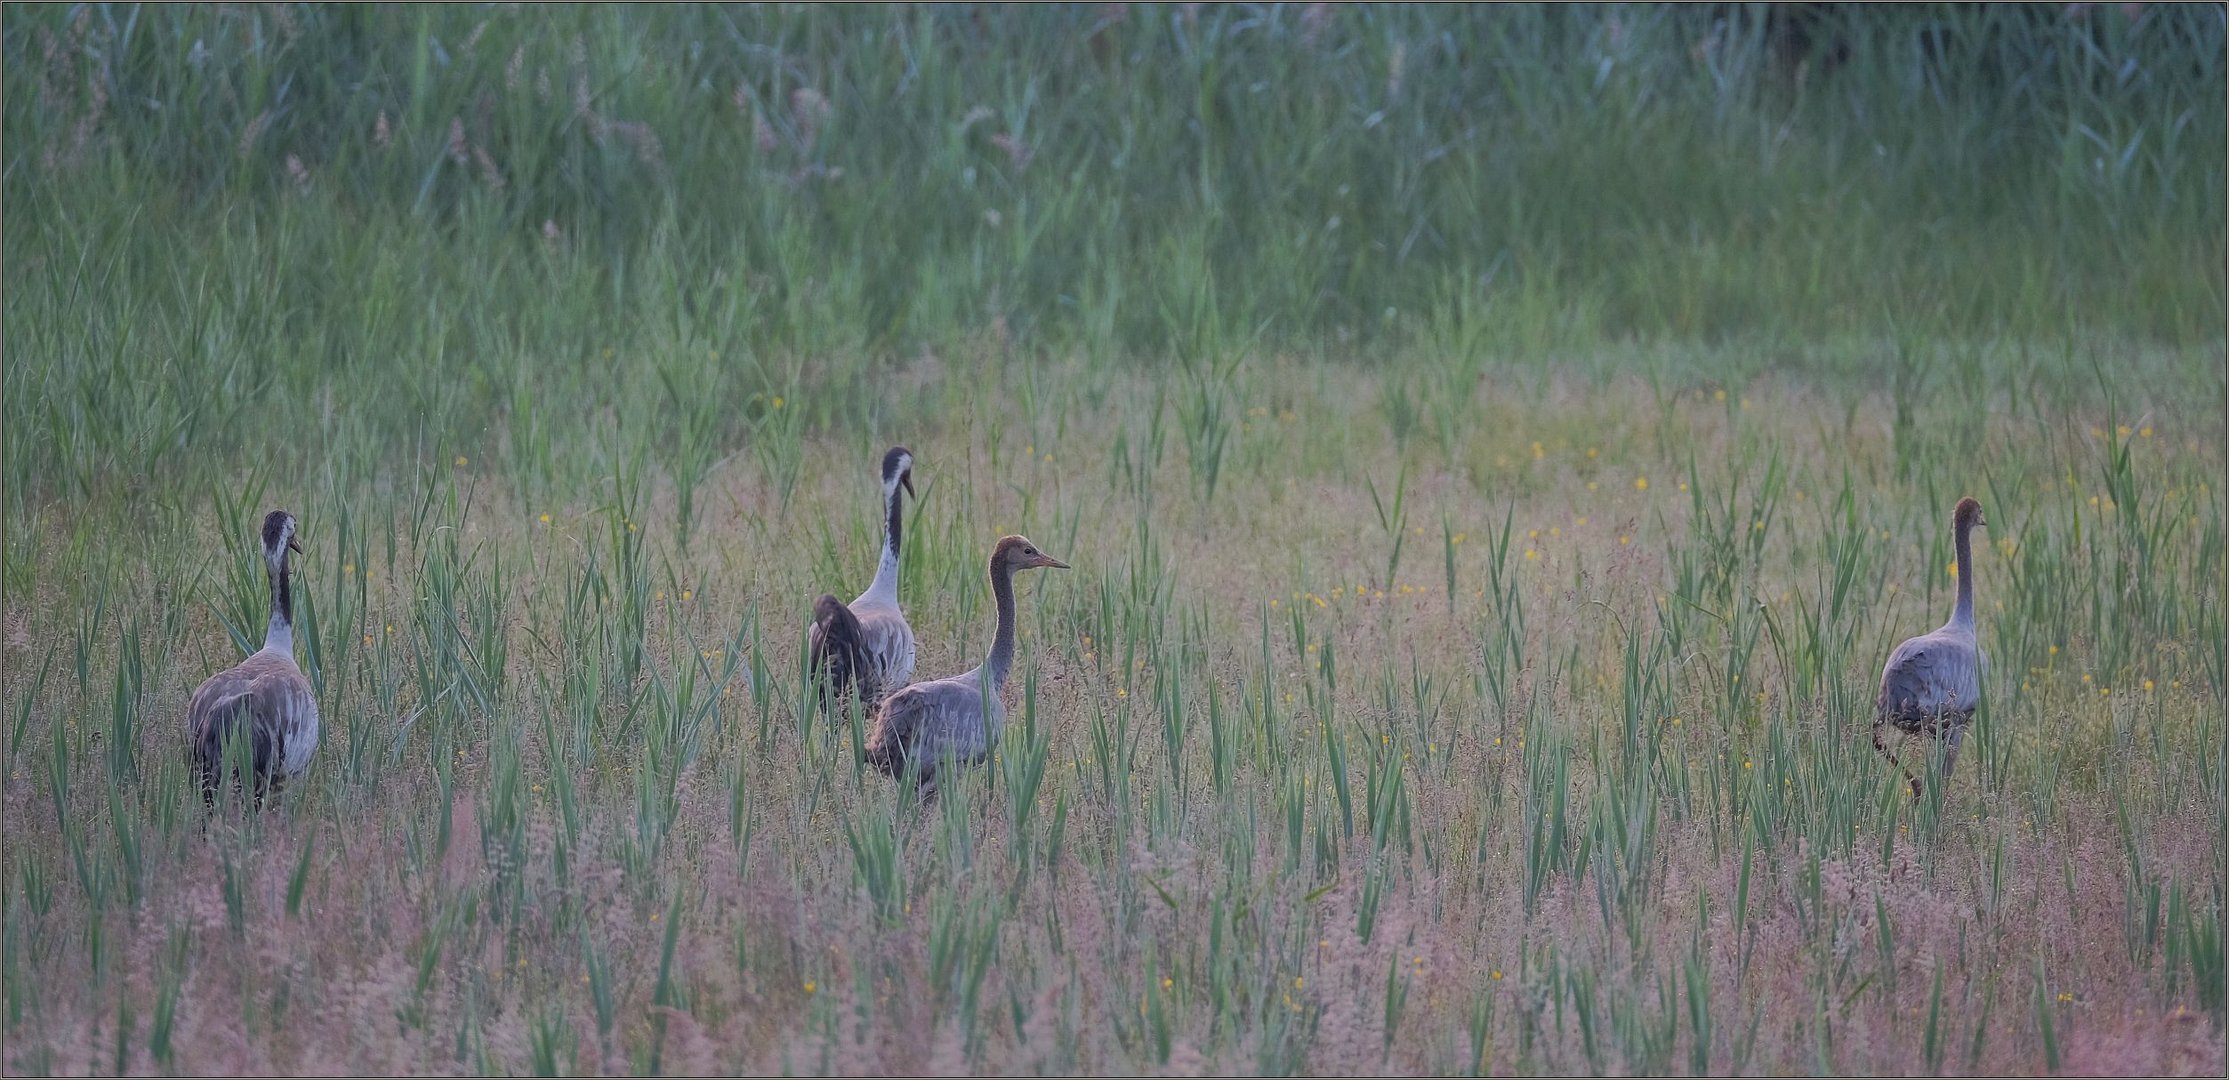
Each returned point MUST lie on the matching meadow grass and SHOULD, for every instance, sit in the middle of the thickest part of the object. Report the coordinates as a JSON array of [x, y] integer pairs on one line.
[[1497, 451]]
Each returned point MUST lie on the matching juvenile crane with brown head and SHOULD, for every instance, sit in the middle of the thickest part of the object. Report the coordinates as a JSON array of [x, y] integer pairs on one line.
[[956, 720]]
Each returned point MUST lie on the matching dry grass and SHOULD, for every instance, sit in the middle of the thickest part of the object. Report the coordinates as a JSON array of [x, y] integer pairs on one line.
[[411, 953]]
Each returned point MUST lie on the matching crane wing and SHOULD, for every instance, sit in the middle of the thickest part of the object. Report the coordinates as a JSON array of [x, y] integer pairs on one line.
[[1927, 677]]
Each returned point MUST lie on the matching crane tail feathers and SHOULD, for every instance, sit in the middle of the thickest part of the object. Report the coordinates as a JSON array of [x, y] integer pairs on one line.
[[839, 654], [209, 751]]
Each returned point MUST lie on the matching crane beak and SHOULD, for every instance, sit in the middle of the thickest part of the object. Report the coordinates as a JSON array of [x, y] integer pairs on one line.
[[905, 479], [293, 545], [1049, 563]]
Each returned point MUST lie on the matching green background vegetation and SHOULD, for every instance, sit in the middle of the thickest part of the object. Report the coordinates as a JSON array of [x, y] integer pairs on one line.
[[767, 188]]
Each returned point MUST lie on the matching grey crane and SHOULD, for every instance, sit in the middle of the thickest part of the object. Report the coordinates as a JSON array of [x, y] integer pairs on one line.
[[263, 699], [956, 719], [866, 649], [1933, 682]]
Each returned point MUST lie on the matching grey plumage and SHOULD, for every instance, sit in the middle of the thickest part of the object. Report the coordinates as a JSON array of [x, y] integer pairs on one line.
[[958, 719], [264, 700], [884, 652], [867, 649], [1932, 683]]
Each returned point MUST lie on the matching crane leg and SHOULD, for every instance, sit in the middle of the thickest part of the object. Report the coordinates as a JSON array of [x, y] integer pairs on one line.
[[1881, 745], [1950, 751]]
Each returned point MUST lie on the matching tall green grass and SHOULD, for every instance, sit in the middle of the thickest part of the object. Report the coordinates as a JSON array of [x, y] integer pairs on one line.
[[291, 211]]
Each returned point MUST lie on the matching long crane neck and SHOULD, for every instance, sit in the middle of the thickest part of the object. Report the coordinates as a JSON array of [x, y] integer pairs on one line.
[[1002, 647], [885, 586], [278, 636], [1963, 615]]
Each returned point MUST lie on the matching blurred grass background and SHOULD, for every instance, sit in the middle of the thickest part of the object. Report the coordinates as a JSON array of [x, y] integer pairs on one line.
[[228, 213]]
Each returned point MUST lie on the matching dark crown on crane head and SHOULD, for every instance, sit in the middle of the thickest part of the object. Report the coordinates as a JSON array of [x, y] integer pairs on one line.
[[275, 528], [894, 461]]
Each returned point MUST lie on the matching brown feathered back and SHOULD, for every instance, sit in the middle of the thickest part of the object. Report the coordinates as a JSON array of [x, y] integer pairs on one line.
[[264, 700]]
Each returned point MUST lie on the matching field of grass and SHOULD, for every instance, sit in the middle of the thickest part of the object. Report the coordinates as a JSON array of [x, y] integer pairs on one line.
[[1497, 451]]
